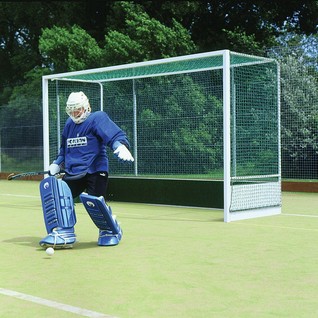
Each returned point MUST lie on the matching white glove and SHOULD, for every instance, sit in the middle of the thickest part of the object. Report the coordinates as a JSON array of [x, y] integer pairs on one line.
[[123, 153], [54, 169]]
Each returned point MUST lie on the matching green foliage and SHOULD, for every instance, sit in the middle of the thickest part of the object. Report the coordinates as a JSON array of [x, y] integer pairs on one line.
[[42, 37], [23, 114], [242, 42], [121, 48], [298, 57], [299, 100], [149, 118], [255, 120], [140, 38], [25, 162], [5, 96], [261, 19], [144, 38], [25, 101], [179, 125], [69, 49], [179, 120], [299, 111], [203, 23]]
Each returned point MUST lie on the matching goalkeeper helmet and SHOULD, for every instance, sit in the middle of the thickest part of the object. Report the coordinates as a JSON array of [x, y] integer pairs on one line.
[[78, 107]]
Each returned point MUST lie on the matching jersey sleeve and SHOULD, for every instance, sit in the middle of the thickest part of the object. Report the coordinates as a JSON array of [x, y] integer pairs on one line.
[[61, 155], [109, 132]]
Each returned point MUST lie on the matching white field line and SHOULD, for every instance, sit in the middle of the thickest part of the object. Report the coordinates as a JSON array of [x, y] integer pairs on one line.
[[19, 195], [275, 226], [54, 304], [302, 215]]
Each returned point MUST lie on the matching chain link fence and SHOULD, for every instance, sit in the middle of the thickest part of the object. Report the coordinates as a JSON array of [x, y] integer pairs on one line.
[[21, 140]]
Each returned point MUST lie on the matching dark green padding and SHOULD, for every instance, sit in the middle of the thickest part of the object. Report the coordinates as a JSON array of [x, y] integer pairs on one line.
[[199, 193]]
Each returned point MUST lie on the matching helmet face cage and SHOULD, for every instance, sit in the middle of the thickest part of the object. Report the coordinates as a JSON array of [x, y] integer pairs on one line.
[[78, 107]]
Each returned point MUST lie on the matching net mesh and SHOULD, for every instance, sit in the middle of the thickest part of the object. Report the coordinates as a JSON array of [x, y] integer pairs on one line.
[[173, 131], [255, 173], [174, 122], [173, 115]]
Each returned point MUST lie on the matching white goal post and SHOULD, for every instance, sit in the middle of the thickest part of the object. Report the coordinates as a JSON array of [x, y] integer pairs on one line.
[[213, 115]]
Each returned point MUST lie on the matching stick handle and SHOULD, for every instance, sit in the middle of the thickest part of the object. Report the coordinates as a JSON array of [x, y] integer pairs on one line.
[[13, 176]]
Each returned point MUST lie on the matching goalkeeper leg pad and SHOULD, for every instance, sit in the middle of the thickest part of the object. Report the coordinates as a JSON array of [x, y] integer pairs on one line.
[[59, 214], [110, 232]]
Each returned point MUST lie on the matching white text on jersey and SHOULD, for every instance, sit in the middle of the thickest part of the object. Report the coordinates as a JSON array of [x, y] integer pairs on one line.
[[76, 142]]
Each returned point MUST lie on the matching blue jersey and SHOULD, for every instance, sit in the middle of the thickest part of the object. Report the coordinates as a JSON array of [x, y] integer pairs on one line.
[[83, 147]]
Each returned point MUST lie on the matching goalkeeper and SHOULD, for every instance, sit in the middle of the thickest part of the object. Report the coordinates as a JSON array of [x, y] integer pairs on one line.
[[83, 148], [83, 158]]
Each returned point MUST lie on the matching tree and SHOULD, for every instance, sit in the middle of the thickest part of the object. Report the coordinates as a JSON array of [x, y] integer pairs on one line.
[[298, 57], [69, 49], [211, 23], [142, 38], [299, 115], [20, 27], [99, 33]]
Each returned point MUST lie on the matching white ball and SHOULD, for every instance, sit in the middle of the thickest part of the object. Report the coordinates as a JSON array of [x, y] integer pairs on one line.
[[49, 251]]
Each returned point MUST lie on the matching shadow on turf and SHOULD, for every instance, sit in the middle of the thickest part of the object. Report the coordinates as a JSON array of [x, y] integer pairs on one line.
[[84, 245], [25, 241]]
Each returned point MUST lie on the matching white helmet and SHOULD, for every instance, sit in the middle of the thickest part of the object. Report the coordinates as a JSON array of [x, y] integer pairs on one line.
[[78, 107]]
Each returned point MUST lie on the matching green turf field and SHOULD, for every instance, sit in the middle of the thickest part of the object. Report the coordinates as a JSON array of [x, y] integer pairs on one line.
[[172, 262]]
